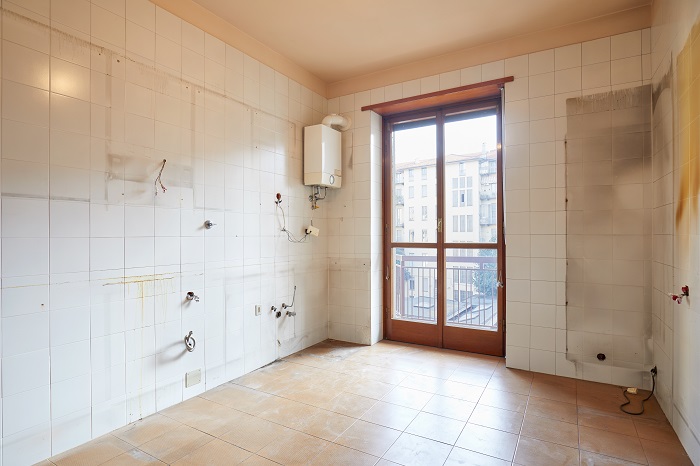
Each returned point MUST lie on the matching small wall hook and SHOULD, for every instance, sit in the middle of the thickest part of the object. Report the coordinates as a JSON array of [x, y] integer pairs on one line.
[[192, 297], [277, 313], [190, 342], [208, 224]]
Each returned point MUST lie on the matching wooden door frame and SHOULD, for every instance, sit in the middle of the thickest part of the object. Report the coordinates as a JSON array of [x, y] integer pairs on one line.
[[440, 245]]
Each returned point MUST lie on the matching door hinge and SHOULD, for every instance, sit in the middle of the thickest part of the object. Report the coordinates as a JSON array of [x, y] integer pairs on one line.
[[439, 225], [503, 323], [387, 273]]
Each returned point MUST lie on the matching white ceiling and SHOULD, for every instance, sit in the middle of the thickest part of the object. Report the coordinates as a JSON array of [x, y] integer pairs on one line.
[[337, 40]]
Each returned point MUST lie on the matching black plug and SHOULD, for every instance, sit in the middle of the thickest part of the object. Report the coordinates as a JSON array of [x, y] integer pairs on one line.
[[653, 371]]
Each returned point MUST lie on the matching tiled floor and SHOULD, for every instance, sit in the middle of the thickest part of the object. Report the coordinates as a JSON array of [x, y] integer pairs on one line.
[[337, 404]]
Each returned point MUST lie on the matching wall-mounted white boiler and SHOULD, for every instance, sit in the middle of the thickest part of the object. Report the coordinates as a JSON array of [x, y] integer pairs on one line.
[[323, 164]]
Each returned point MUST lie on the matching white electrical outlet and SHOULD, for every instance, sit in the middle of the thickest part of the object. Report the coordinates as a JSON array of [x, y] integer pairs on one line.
[[257, 309], [193, 378], [312, 230]]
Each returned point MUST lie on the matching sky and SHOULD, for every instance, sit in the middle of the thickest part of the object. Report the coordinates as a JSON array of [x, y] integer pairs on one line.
[[461, 137]]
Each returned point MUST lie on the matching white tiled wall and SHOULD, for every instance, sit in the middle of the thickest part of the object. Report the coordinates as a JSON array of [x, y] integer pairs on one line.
[[676, 258], [535, 199], [95, 267], [534, 133], [354, 226]]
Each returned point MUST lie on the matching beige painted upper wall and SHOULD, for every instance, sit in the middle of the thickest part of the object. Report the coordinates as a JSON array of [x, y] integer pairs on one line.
[[617, 23]]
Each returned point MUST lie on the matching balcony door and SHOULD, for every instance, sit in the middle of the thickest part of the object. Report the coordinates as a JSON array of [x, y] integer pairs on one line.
[[444, 253]]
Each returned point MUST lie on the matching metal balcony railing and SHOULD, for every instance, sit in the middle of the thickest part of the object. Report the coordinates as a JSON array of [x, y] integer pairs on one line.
[[472, 295]]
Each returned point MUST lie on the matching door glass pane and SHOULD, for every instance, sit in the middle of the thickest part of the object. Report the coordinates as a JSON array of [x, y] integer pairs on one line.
[[414, 284], [471, 291], [470, 161], [414, 155]]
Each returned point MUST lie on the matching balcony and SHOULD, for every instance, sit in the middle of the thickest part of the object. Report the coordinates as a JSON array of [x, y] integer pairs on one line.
[[487, 194], [487, 220], [471, 279]]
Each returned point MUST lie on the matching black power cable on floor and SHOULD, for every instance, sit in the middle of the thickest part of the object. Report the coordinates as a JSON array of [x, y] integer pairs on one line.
[[624, 393]]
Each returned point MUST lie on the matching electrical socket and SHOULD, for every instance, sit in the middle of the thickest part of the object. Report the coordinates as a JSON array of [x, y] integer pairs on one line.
[[312, 230], [257, 309], [193, 378]]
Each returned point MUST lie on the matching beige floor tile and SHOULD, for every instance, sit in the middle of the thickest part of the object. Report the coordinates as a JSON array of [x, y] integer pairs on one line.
[[134, 457], [331, 392], [592, 418], [97, 451], [496, 418], [472, 378], [390, 415], [462, 457], [461, 391], [536, 452], [326, 425], [146, 429], [550, 430], [338, 455], [423, 383], [217, 424], [369, 438], [236, 396], [193, 410], [369, 388], [295, 448], [449, 407], [349, 404], [408, 397], [511, 382], [434, 427], [254, 434], [256, 460], [611, 444], [504, 400], [557, 410], [665, 454], [490, 442], [289, 413], [175, 444], [594, 459], [552, 391], [215, 453], [413, 450], [656, 431]]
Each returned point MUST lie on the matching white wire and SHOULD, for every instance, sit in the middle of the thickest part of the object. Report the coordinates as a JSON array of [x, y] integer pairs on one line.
[[290, 237]]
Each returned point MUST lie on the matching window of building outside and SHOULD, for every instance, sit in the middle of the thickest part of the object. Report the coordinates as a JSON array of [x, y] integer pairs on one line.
[[410, 174], [424, 212], [411, 236], [455, 223], [470, 200], [424, 236], [461, 223], [470, 223], [411, 212], [424, 191], [399, 235], [424, 173], [469, 181], [410, 192]]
